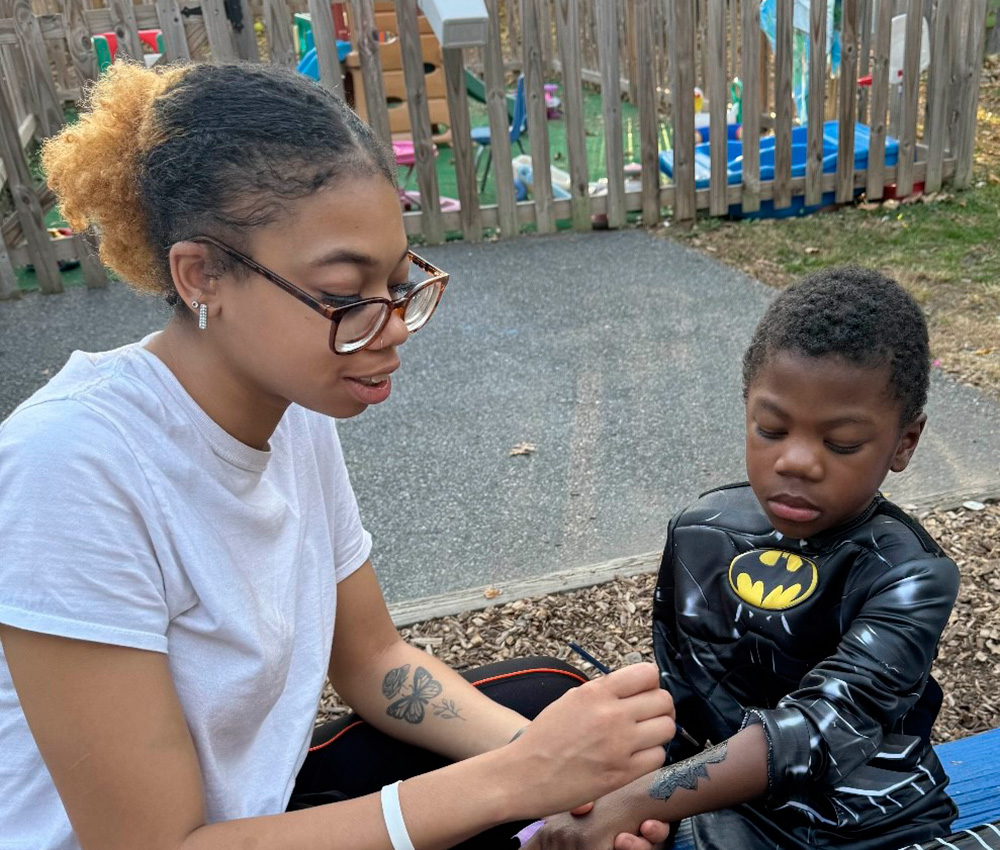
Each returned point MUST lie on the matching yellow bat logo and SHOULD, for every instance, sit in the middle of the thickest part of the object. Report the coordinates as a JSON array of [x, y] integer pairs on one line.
[[772, 579]]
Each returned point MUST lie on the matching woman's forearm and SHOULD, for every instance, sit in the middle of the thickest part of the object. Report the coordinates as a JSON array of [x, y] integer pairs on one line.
[[433, 820], [416, 698]]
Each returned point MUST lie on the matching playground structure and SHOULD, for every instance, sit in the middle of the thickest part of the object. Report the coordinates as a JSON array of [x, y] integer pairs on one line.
[[657, 53]]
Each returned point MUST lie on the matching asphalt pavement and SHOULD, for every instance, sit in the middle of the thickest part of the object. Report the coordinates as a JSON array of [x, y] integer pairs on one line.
[[612, 359]]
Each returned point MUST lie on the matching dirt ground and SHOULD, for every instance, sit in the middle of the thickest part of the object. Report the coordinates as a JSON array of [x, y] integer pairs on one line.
[[613, 620]]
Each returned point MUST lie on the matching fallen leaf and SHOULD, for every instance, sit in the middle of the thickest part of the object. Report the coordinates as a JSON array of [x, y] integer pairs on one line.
[[523, 449], [810, 249], [993, 178], [491, 592], [982, 352]]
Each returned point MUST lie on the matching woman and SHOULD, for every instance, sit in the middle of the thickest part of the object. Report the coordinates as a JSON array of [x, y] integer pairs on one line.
[[187, 564]]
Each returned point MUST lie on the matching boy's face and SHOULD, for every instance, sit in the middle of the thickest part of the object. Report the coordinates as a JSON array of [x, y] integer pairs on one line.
[[821, 436]]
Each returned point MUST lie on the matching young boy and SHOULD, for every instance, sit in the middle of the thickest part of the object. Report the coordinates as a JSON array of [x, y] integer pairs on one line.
[[796, 617]]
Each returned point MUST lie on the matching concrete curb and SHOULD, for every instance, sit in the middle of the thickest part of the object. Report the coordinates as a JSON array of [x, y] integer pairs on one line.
[[477, 598]]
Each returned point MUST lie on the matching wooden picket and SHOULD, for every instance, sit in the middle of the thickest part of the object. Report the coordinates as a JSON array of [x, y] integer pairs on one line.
[[652, 52], [568, 23], [496, 102], [607, 36], [817, 72], [783, 107], [848, 99]]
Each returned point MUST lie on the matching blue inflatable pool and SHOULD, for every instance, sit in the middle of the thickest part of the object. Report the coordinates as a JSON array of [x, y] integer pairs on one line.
[[831, 129]]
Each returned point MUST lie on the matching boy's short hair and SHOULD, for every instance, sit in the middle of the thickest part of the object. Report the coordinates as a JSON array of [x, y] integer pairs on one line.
[[855, 313]]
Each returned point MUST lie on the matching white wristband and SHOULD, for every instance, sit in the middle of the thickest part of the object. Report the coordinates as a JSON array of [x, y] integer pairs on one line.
[[392, 814]]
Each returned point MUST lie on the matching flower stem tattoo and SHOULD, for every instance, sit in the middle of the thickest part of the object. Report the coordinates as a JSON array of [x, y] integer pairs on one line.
[[685, 774], [414, 699]]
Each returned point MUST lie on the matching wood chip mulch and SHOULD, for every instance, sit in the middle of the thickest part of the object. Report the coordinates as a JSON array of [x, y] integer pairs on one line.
[[613, 621]]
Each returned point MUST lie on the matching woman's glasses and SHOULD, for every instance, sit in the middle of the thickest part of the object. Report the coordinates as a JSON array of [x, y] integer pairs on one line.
[[357, 325]]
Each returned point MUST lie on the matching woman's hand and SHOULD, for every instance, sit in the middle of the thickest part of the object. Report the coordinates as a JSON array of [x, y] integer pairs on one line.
[[611, 824], [593, 740], [651, 833]]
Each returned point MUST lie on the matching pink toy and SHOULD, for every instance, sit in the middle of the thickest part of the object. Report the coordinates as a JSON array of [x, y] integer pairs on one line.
[[553, 105], [405, 155]]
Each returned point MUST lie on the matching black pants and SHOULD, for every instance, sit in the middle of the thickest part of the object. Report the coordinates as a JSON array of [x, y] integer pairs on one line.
[[349, 758]]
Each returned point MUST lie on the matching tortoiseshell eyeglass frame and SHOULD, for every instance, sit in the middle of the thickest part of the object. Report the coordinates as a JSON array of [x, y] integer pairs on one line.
[[335, 314]]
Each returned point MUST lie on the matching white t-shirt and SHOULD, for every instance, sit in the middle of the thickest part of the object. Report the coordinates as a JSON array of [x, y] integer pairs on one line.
[[128, 517]]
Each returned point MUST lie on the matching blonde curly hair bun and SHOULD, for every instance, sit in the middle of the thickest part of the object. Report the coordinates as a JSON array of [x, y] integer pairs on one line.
[[94, 165]]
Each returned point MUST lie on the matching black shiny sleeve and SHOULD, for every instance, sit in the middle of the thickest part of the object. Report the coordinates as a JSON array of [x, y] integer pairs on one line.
[[689, 707], [836, 719]]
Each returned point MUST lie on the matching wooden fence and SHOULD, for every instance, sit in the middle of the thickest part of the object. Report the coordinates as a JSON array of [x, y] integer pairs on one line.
[[655, 52]]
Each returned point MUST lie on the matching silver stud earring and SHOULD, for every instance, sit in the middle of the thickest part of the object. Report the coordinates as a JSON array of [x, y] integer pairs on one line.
[[202, 314]]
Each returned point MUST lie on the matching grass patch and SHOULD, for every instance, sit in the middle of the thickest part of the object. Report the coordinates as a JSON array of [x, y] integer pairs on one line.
[[944, 248]]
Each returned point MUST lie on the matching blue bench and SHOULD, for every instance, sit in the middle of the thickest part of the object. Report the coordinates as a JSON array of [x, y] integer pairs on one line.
[[973, 765]]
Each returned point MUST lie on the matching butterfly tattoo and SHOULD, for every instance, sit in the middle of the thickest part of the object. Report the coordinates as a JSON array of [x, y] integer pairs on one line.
[[411, 706]]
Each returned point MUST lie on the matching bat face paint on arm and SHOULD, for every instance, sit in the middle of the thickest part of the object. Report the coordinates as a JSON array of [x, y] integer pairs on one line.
[[685, 774]]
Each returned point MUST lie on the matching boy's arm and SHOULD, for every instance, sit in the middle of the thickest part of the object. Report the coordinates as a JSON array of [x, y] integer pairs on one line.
[[732, 772]]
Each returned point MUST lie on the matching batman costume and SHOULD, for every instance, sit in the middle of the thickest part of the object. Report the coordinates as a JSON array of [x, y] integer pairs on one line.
[[828, 644]]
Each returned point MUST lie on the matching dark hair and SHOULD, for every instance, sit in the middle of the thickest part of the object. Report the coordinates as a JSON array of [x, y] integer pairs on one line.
[[215, 149], [858, 314]]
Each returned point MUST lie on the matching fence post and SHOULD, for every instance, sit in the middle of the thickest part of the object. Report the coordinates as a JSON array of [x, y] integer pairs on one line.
[[220, 35], [648, 117], [245, 38], [611, 106], [817, 74], [461, 144], [125, 27], [911, 93], [496, 103], [783, 46], [42, 91], [750, 198], [682, 61], [568, 28], [431, 224], [734, 21], [8, 279], [29, 210], [937, 94], [718, 131], [538, 129], [848, 101], [965, 144], [325, 40], [278, 26], [78, 41], [366, 42], [175, 46], [94, 273], [880, 102], [545, 33]]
